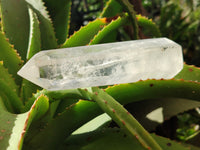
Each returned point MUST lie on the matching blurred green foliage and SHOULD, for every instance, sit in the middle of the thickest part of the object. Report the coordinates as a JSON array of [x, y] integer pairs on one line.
[[179, 20], [84, 11], [188, 125]]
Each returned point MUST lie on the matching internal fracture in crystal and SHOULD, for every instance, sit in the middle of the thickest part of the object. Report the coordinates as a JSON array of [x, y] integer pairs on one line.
[[104, 64]]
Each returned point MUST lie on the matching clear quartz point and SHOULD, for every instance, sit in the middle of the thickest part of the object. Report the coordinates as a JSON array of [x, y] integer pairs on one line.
[[104, 64]]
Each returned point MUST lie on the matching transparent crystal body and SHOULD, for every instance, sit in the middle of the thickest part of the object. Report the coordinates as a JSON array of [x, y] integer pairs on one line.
[[104, 64]]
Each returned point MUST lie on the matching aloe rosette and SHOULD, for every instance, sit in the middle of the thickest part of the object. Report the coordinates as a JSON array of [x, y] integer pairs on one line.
[[34, 118]]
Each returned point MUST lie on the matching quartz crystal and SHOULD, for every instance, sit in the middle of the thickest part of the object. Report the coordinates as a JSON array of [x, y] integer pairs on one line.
[[104, 64]]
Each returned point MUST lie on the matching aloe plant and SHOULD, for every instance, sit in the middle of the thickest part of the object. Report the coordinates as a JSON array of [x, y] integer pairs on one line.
[[34, 118]]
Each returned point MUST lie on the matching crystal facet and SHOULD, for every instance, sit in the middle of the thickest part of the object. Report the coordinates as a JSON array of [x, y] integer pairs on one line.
[[104, 64]]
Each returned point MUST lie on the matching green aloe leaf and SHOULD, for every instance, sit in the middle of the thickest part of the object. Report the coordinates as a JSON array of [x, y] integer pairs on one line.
[[6, 101], [115, 139], [103, 35], [189, 72], [148, 26], [86, 33], [155, 89], [63, 104], [28, 88], [15, 24], [168, 144], [111, 9], [14, 127], [117, 22], [124, 93], [159, 110], [7, 122], [100, 30], [124, 119], [5, 76], [11, 101], [83, 111], [46, 28], [170, 106], [10, 58], [65, 121], [53, 96], [34, 45], [60, 12]]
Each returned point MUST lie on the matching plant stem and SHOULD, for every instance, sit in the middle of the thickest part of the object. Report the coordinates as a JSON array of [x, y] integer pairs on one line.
[[130, 9]]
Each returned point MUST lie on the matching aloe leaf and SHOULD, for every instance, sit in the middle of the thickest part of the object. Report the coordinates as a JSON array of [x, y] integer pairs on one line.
[[5, 76], [12, 100], [6, 124], [155, 89], [7, 103], [99, 30], [125, 93], [115, 139], [107, 30], [14, 127], [53, 96], [85, 34], [27, 90], [170, 106], [64, 103], [189, 72], [115, 24], [10, 58], [34, 46], [60, 12], [65, 121], [159, 110], [46, 27], [148, 26], [168, 144], [111, 9], [83, 111], [124, 119], [15, 24], [39, 125]]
